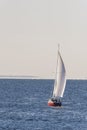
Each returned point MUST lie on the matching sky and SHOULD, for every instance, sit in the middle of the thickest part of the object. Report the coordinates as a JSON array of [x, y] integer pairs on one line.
[[30, 31]]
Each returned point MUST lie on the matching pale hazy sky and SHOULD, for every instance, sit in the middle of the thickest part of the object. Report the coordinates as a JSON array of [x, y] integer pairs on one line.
[[30, 31]]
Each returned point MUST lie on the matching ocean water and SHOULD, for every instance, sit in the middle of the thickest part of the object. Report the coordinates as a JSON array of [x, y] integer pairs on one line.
[[23, 105]]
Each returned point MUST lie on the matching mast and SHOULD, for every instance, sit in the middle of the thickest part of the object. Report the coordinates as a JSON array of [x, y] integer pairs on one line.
[[55, 82], [57, 59]]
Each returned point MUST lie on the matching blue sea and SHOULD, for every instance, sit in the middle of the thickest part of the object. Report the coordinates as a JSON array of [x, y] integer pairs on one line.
[[23, 105]]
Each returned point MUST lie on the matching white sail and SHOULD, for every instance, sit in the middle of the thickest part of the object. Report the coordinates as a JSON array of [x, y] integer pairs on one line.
[[60, 80]]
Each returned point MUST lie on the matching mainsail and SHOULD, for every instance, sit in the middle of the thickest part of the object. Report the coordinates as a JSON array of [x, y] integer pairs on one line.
[[60, 80]]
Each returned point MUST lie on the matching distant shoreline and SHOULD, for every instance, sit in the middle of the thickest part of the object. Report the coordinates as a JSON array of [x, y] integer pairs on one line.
[[34, 77], [17, 77]]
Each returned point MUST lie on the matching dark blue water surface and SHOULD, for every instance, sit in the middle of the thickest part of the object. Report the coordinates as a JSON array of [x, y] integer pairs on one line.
[[23, 105]]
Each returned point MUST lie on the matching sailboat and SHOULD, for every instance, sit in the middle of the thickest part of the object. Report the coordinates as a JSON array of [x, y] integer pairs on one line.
[[59, 84]]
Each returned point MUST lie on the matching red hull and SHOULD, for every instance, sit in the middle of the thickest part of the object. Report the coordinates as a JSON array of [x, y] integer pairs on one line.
[[50, 103]]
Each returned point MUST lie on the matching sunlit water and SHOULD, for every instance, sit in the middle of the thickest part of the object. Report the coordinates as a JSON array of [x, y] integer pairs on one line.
[[23, 105]]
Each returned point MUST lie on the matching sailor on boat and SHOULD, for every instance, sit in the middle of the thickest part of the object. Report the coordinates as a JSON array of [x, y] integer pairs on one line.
[[54, 102]]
